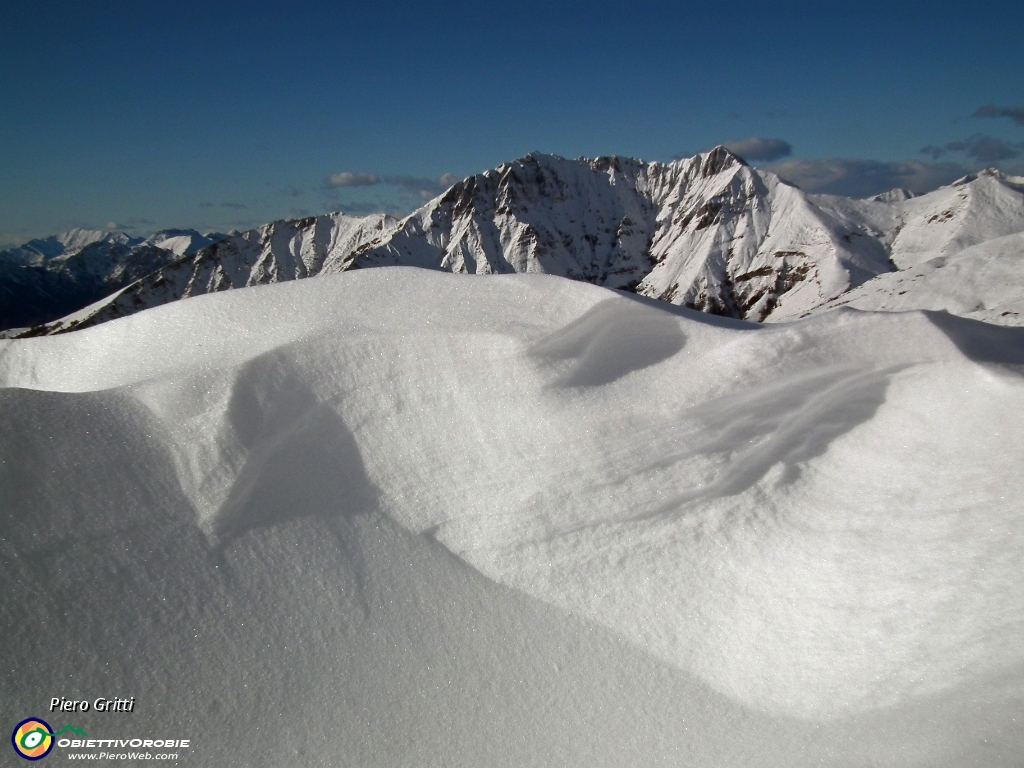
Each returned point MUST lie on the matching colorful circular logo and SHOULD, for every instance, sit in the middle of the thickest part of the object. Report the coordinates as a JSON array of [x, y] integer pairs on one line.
[[33, 738]]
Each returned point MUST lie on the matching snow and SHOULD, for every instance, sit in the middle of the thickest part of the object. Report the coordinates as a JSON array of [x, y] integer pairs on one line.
[[397, 516], [968, 212], [183, 242], [894, 195], [983, 282], [38, 252]]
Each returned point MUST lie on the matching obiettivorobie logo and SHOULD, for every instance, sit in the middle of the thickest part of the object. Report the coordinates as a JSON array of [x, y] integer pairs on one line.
[[34, 738]]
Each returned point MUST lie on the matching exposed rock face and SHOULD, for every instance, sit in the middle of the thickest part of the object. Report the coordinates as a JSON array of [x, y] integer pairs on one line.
[[707, 232]]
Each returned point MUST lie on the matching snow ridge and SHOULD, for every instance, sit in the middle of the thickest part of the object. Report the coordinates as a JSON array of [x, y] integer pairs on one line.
[[813, 527]]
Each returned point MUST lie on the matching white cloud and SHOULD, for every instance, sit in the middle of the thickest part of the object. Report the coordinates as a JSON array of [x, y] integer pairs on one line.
[[350, 179], [863, 178], [424, 188], [985, 149]]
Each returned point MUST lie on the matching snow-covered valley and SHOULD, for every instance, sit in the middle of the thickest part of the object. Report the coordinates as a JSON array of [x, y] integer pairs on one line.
[[395, 516]]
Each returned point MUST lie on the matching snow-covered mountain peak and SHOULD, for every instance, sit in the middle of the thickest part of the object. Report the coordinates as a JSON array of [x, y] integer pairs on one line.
[[970, 211], [988, 173], [183, 242], [696, 232], [41, 249], [716, 160], [894, 195], [76, 239]]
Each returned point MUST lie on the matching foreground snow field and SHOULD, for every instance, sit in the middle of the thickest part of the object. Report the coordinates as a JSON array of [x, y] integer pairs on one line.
[[399, 517]]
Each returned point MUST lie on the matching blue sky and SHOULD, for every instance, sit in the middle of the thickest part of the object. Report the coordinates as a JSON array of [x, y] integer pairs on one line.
[[230, 114]]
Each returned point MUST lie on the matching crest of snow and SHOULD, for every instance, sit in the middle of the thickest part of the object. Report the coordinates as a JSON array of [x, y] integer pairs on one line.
[[817, 520]]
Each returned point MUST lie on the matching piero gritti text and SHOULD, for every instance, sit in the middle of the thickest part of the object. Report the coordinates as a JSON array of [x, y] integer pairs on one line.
[[60, 704]]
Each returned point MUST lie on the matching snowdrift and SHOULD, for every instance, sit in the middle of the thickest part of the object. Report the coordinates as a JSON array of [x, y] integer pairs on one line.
[[401, 517]]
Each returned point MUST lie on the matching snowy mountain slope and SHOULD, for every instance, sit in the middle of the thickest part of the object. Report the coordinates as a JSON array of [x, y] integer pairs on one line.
[[695, 232], [181, 242], [970, 211], [741, 243], [958, 249], [983, 282], [585, 220], [812, 527], [276, 252], [894, 195], [46, 279]]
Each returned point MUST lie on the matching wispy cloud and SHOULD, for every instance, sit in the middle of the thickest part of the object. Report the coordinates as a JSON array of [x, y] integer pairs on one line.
[[350, 179], [863, 178], [423, 187], [984, 149], [9, 240], [244, 224], [756, 148], [991, 110], [227, 204]]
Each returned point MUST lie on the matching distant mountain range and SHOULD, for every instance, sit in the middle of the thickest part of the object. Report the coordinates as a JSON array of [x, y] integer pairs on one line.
[[45, 279], [708, 232]]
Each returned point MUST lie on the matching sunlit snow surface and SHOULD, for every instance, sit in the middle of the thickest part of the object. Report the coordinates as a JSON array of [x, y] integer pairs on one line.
[[692, 541]]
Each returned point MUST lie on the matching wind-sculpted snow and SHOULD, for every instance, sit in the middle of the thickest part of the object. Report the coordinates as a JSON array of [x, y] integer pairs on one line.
[[601, 345], [678, 539], [783, 424]]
